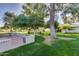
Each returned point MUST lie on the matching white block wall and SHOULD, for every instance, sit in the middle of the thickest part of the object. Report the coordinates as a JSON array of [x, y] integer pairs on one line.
[[70, 31], [15, 42], [30, 39], [5, 45]]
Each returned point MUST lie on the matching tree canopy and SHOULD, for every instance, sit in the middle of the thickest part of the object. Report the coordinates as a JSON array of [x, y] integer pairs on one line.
[[30, 8], [33, 21]]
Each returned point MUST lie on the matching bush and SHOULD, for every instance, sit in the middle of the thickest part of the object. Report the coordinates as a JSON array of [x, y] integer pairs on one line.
[[56, 24], [33, 21], [66, 26], [44, 33], [59, 29]]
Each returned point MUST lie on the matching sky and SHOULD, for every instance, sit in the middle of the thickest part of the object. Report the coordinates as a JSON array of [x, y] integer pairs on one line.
[[12, 7], [60, 18]]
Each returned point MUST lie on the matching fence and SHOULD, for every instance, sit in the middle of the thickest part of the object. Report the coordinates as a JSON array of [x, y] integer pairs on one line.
[[7, 43]]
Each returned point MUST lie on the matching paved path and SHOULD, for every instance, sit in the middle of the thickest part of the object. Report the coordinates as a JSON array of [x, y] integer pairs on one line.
[[65, 38], [47, 40]]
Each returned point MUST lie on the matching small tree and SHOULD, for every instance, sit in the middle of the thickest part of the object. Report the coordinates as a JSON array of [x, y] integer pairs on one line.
[[8, 18], [36, 21], [20, 21], [33, 21]]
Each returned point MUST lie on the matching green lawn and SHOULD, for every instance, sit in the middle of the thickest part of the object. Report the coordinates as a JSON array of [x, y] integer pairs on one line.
[[60, 47]]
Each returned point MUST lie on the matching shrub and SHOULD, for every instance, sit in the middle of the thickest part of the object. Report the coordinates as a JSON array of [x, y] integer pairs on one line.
[[44, 32], [66, 26], [56, 24], [59, 29]]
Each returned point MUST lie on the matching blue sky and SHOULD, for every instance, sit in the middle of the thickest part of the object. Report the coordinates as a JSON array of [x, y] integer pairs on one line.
[[12, 7]]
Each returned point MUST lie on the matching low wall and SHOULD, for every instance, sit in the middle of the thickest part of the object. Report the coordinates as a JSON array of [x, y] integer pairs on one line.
[[15, 41], [70, 31], [30, 39]]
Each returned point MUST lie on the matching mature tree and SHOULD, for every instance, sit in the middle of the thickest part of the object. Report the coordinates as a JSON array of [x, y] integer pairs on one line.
[[36, 21], [8, 17], [71, 9], [63, 14], [56, 24], [52, 17], [30, 8], [59, 8], [38, 9], [43, 10], [20, 21]]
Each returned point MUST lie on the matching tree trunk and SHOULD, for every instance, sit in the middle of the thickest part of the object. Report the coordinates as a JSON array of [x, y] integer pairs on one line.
[[52, 16], [73, 19], [64, 18], [52, 29]]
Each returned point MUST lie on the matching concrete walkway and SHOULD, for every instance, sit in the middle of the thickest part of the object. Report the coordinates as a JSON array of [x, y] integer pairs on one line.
[[47, 40], [65, 38]]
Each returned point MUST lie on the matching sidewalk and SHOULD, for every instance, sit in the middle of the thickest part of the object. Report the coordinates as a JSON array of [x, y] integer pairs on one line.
[[47, 40]]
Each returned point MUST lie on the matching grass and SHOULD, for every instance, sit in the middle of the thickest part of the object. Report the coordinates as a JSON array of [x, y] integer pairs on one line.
[[58, 48]]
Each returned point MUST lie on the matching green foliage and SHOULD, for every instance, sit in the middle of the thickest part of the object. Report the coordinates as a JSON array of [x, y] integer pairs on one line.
[[32, 17], [20, 21], [30, 8], [33, 21], [72, 9], [66, 26], [8, 17], [45, 33], [56, 24], [36, 20]]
